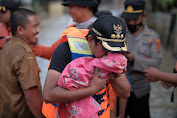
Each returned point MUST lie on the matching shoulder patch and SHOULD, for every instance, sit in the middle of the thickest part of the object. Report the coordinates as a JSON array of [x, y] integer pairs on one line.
[[158, 45], [149, 40], [27, 48], [30, 57], [153, 32], [147, 32]]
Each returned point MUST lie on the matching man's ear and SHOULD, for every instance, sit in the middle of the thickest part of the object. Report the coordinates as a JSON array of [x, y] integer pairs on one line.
[[90, 40], [20, 30]]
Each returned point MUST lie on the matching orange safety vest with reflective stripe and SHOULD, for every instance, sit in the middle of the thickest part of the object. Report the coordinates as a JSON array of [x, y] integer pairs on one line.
[[49, 110]]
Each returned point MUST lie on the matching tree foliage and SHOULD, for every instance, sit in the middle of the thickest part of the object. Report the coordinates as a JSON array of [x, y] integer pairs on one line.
[[162, 5]]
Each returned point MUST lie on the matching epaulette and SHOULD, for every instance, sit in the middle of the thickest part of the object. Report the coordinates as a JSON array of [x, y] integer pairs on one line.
[[27, 48]]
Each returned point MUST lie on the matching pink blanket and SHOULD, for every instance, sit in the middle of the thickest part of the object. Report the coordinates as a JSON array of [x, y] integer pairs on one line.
[[78, 74]]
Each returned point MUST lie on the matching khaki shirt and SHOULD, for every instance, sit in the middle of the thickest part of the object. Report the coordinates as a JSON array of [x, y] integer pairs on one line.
[[146, 48], [19, 71]]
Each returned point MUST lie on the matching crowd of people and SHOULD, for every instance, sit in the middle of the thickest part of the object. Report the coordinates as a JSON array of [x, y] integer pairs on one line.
[[96, 61]]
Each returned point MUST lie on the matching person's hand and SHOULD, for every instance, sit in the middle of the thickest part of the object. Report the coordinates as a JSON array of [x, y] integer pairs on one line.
[[129, 56], [6, 39], [151, 74], [97, 84], [114, 75], [166, 85]]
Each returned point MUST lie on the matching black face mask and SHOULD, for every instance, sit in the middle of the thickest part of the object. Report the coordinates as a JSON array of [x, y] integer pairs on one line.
[[134, 28]]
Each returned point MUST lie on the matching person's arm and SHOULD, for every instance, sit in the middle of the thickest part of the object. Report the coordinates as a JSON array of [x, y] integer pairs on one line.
[[166, 84], [120, 85], [44, 51], [53, 93], [122, 107], [153, 75], [34, 101], [129, 56]]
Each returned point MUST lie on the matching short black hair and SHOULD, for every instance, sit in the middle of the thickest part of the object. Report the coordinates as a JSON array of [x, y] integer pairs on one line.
[[93, 35], [94, 9], [19, 18]]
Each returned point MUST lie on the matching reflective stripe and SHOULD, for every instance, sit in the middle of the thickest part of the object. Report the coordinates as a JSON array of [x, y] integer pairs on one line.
[[79, 47]]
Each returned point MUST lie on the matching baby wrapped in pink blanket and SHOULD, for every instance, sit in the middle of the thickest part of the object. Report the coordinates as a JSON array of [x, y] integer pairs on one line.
[[78, 74]]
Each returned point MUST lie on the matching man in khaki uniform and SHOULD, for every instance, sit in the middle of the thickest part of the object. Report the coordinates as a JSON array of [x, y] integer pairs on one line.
[[20, 86]]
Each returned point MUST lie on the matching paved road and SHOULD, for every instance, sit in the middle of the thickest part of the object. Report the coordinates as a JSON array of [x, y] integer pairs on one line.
[[160, 105]]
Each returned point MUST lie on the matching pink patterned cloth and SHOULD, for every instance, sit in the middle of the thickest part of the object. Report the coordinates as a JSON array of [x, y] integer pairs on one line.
[[78, 74]]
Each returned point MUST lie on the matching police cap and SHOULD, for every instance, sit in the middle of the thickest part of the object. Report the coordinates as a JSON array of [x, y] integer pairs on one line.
[[9, 4], [111, 31], [82, 3], [133, 9]]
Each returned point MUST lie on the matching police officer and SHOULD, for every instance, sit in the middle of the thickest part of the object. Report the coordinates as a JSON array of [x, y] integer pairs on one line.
[[6, 8], [21, 93], [145, 51]]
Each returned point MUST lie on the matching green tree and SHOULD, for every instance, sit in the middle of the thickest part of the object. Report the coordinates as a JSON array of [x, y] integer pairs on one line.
[[162, 5]]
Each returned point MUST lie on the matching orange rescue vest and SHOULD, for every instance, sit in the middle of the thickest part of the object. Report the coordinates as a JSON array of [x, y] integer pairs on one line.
[[49, 110]]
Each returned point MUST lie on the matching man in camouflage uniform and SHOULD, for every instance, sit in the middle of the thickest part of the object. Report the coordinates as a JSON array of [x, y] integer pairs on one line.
[[144, 51]]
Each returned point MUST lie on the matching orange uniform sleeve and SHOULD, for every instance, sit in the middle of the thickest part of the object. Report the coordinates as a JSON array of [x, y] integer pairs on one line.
[[43, 51], [46, 52]]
